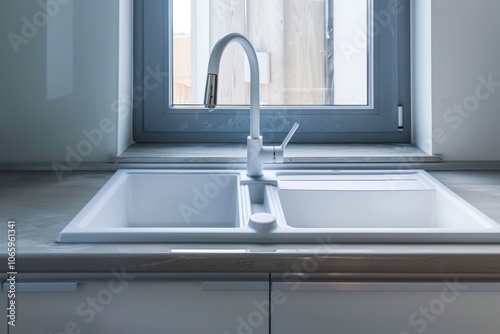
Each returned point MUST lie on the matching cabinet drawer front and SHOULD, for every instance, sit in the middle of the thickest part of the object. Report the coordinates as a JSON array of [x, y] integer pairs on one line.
[[140, 306], [373, 307]]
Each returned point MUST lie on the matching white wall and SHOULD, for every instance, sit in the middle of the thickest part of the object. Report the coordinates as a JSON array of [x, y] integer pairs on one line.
[[125, 74], [48, 99], [422, 74], [465, 53], [62, 81]]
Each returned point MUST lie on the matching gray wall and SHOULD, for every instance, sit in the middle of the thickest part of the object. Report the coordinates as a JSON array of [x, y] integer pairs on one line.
[[459, 41], [422, 74], [62, 81]]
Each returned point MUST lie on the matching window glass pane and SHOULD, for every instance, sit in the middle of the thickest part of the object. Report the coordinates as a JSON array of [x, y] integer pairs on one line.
[[311, 52], [350, 61]]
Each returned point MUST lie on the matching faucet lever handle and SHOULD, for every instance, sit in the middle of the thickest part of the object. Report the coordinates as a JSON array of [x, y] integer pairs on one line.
[[289, 136], [279, 150]]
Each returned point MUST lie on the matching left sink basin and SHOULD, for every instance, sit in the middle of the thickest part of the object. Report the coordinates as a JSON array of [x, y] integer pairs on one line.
[[149, 205]]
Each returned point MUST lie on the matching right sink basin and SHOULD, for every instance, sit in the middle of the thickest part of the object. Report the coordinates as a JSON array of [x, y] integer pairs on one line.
[[373, 206]]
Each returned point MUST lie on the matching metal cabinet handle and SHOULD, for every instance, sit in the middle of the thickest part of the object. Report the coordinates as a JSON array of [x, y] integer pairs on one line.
[[42, 286], [234, 286], [382, 286]]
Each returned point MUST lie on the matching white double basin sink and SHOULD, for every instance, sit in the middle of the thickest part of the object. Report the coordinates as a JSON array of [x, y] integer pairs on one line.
[[283, 207]]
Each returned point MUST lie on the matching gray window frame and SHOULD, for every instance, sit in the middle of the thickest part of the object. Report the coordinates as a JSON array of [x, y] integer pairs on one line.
[[156, 120]]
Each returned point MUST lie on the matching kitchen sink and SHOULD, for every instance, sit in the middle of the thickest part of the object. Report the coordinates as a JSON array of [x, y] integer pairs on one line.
[[281, 207]]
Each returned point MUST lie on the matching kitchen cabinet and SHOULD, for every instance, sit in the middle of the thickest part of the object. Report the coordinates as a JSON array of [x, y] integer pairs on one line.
[[126, 305], [353, 307]]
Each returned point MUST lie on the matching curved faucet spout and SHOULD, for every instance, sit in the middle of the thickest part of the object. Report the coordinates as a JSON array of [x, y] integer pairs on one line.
[[257, 154], [213, 73]]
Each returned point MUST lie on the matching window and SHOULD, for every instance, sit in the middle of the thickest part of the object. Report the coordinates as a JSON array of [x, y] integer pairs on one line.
[[340, 68]]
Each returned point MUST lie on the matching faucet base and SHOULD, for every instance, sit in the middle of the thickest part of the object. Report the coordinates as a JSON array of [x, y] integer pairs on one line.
[[257, 154], [254, 163]]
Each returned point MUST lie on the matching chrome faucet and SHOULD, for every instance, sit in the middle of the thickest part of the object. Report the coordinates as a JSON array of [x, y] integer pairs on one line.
[[257, 154]]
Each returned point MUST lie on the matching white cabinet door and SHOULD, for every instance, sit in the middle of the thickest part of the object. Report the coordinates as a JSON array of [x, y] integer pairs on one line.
[[141, 306], [385, 308]]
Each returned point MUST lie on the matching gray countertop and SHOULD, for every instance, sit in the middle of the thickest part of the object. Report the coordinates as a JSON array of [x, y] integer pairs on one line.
[[42, 205]]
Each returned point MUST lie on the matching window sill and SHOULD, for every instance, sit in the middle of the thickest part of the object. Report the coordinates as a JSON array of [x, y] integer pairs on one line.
[[295, 153]]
